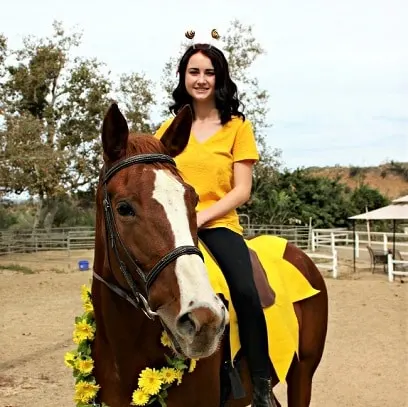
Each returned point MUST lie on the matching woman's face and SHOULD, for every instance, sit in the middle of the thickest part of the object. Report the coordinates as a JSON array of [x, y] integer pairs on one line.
[[200, 78]]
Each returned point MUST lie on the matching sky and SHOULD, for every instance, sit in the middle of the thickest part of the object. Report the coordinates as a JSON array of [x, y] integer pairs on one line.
[[336, 72]]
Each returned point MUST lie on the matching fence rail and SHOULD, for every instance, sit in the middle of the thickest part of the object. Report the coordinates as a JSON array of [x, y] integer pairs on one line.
[[62, 239], [298, 235], [324, 246], [331, 265], [68, 239], [396, 268], [343, 238]]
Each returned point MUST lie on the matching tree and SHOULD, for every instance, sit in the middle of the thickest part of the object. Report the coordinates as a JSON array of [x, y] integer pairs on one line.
[[52, 106], [324, 200], [366, 197], [136, 95]]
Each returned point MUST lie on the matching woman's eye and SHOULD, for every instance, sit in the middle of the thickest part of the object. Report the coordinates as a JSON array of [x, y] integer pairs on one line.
[[124, 209]]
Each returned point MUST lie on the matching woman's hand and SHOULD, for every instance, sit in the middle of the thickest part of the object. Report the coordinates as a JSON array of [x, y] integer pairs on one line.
[[201, 219]]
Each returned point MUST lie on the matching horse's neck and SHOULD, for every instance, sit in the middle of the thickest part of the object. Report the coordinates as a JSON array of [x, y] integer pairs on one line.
[[124, 331], [126, 342]]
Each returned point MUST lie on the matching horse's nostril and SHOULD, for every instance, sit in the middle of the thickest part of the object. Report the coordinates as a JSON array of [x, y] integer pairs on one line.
[[186, 325]]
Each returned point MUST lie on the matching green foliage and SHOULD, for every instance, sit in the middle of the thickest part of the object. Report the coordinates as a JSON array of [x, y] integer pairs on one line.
[[52, 105], [322, 199], [52, 109], [72, 213], [135, 93], [7, 216], [295, 196], [365, 197]]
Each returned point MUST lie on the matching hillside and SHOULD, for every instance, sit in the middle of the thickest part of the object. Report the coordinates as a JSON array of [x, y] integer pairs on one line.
[[391, 179]]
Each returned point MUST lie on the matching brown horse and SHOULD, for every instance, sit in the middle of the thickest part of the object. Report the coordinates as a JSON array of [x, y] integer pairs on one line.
[[149, 276]]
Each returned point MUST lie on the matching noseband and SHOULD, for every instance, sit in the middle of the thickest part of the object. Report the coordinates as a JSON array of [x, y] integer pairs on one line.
[[146, 280]]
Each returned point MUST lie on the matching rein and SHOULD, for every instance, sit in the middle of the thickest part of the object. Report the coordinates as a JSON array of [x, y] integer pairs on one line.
[[139, 299]]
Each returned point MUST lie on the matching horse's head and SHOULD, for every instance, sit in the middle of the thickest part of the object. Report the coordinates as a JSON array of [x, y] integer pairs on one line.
[[151, 233]]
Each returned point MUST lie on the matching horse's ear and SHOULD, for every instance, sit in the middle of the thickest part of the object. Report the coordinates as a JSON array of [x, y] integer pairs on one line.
[[115, 133], [176, 137]]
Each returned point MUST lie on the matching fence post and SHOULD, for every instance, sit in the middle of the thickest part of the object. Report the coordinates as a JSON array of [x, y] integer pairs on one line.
[[69, 244], [335, 264], [390, 266], [385, 240], [332, 241], [313, 240], [357, 243]]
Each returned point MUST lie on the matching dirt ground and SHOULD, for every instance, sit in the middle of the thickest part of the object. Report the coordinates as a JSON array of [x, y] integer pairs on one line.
[[365, 362]]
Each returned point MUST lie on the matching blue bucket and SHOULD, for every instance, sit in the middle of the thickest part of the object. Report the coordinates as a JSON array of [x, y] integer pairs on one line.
[[83, 265]]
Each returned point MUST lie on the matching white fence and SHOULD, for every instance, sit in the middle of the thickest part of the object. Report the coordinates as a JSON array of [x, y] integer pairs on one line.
[[330, 266], [393, 264], [68, 239], [343, 238], [326, 242], [324, 246]]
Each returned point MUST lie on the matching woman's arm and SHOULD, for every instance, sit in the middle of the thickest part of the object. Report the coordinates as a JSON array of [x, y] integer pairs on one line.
[[239, 194]]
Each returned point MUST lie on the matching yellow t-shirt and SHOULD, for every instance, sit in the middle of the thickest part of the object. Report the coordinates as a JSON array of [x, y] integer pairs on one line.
[[208, 165]]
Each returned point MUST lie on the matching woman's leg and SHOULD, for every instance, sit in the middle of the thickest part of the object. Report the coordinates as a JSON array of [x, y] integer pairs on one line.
[[231, 253]]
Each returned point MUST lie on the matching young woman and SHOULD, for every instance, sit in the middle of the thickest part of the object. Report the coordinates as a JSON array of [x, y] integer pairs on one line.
[[218, 163]]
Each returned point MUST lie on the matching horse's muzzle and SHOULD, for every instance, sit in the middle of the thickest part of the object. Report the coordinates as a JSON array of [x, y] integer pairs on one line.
[[200, 330]]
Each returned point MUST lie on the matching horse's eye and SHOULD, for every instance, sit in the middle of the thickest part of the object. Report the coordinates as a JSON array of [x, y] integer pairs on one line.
[[124, 209]]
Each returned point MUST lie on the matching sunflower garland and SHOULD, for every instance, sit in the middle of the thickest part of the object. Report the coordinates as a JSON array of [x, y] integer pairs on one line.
[[152, 383]]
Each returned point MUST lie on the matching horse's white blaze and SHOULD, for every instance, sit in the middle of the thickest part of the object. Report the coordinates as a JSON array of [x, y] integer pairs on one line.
[[191, 274]]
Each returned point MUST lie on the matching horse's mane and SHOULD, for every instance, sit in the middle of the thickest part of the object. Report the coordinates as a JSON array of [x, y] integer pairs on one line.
[[143, 143]]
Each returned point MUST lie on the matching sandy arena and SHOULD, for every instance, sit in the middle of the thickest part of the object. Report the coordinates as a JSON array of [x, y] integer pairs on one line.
[[365, 363]]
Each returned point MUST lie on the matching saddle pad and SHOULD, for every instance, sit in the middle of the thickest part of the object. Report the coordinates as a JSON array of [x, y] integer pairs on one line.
[[289, 286]]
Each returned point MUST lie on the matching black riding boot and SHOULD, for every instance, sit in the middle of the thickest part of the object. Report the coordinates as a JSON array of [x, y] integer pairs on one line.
[[262, 393]]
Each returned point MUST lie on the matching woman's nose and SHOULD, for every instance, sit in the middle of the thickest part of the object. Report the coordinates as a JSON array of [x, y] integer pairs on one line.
[[201, 79]]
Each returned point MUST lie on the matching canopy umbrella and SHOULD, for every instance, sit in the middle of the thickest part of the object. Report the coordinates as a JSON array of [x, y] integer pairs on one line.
[[397, 210]]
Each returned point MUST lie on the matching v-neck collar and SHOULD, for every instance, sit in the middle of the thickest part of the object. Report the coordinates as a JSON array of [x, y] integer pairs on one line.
[[208, 138]]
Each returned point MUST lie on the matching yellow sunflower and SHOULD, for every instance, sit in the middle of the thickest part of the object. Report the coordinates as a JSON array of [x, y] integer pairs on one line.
[[168, 374], [87, 305], [150, 381], [85, 392], [193, 364], [69, 359], [83, 331], [139, 398], [85, 366], [85, 293], [165, 340], [179, 376]]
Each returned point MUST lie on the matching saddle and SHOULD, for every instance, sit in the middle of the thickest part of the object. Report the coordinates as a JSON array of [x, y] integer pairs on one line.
[[265, 291]]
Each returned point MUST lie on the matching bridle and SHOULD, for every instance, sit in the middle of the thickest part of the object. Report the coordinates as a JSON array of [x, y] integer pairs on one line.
[[139, 300]]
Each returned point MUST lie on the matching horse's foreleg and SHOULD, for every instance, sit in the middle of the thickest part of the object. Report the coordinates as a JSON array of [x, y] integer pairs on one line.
[[299, 381]]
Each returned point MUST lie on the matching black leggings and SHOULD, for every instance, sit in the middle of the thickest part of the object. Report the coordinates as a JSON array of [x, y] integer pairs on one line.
[[231, 253]]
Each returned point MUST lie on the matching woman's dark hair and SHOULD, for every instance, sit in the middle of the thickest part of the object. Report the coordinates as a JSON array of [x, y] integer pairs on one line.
[[226, 98]]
